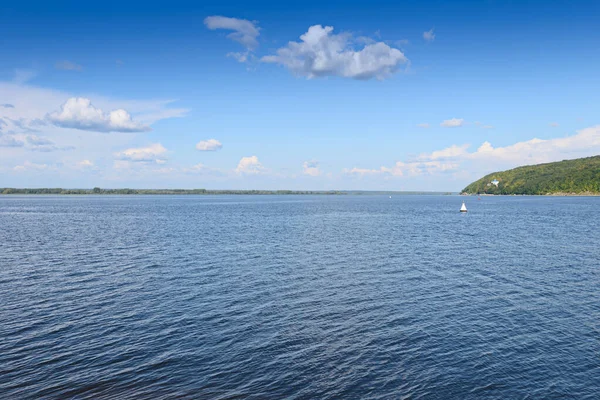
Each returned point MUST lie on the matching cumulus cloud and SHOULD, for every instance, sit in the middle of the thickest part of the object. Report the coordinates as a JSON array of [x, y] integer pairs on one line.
[[453, 123], [209, 145], [152, 153], [429, 35], [447, 153], [322, 53], [244, 32], [79, 113], [311, 168], [425, 125], [487, 158], [250, 165], [68, 66], [585, 143]]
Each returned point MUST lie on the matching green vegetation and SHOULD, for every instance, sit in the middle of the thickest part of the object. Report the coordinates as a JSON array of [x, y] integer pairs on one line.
[[580, 176], [99, 191]]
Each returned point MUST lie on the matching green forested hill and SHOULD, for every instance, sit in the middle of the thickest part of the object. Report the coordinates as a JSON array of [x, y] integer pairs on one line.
[[580, 176]]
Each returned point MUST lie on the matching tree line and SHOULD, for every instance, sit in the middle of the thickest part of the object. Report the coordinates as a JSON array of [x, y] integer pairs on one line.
[[99, 191], [579, 176]]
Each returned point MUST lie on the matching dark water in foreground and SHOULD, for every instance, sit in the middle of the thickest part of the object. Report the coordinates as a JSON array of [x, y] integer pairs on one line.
[[299, 297]]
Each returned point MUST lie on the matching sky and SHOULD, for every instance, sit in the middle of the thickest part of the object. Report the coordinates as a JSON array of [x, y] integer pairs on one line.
[[337, 95]]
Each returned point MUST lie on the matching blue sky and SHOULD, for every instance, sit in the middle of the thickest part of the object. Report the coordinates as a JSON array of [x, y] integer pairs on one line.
[[402, 95]]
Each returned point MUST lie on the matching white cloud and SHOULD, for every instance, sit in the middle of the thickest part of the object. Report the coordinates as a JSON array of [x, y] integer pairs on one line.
[[241, 57], [311, 168], [152, 153], [364, 171], [452, 123], [30, 166], [449, 152], [425, 125], [413, 168], [429, 35], [196, 168], [79, 113], [245, 32], [585, 143], [209, 145], [321, 53], [487, 158], [250, 165], [68, 66], [85, 164]]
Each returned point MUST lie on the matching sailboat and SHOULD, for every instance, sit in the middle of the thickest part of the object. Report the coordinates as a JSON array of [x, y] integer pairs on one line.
[[463, 208]]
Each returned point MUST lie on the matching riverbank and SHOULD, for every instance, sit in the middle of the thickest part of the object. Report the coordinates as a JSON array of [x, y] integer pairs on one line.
[[99, 191]]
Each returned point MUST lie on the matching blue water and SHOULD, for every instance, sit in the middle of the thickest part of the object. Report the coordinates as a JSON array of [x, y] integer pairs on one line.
[[227, 297]]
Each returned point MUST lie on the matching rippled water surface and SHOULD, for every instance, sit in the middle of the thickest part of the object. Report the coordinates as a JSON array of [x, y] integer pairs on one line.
[[299, 297]]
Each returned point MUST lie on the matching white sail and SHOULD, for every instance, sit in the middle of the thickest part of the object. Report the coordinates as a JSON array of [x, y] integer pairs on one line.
[[463, 208]]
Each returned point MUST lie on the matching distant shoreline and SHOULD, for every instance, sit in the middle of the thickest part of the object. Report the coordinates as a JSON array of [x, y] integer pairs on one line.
[[558, 194], [108, 192]]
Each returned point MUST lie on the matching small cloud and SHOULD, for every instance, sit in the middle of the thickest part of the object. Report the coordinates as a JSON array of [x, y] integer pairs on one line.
[[37, 140], [10, 141], [321, 53], [29, 166], [554, 124], [363, 171], [250, 165], [79, 113], [482, 126], [38, 143], [242, 57], [429, 35], [453, 123], [152, 153], [68, 66], [7, 105], [209, 145], [425, 125], [311, 168], [85, 164], [244, 32], [23, 75]]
